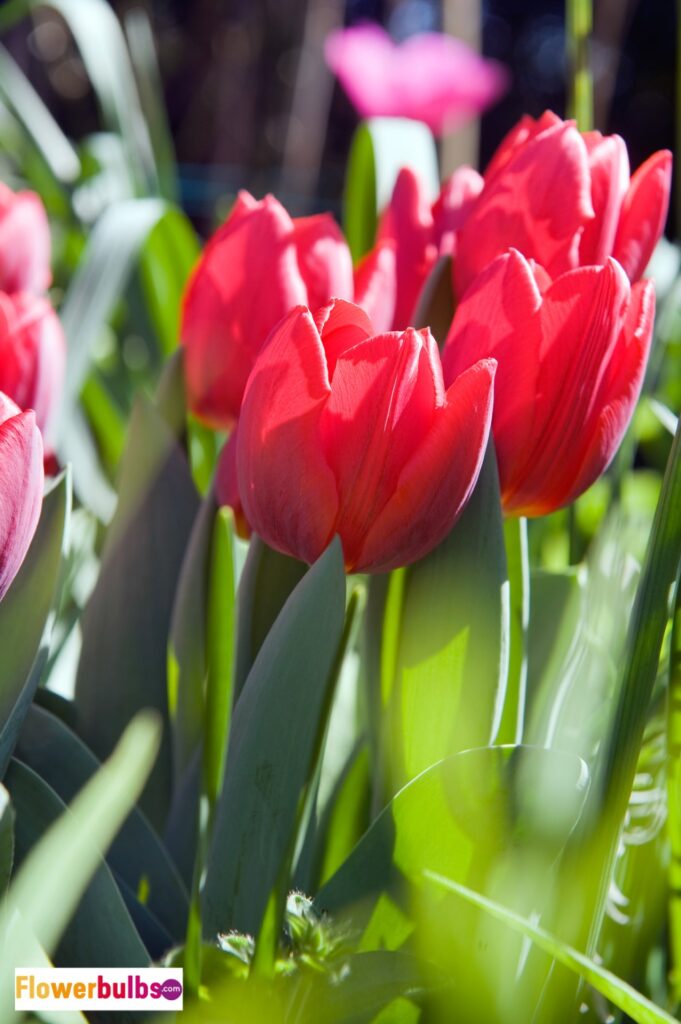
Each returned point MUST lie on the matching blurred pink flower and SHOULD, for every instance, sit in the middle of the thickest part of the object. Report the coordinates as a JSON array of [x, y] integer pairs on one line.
[[431, 77]]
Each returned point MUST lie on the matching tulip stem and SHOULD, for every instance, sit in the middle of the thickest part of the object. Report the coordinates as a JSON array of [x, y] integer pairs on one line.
[[517, 562], [579, 21]]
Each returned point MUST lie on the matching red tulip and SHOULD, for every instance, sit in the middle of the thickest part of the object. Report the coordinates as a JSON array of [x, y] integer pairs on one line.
[[32, 355], [420, 232], [564, 199], [345, 433], [255, 269], [21, 487], [431, 77], [571, 357], [24, 242]]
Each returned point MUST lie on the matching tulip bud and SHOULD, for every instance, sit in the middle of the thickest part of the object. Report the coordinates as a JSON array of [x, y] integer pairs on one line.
[[24, 242], [256, 268], [345, 433], [571, 357], [32, 355], [21, 487]]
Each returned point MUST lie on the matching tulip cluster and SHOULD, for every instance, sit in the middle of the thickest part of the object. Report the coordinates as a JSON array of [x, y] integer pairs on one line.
[[32, 355], [348, 419]]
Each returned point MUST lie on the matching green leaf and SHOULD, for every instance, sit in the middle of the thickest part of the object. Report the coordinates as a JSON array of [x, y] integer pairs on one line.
[[100, 40], [137, 855], [346, 815], [64, 871], [45, 134], [445, 641], [513, 716], [125, 625], [267, 581], [380, 148], [485, 801], [6, 839], [268, 766], [24, 612], [167, 258], [621, 994]]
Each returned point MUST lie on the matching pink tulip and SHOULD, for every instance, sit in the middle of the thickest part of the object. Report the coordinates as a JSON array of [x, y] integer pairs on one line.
[[32, 355], [342, 432], [571, 357], [24, 242], [21, 487], [431, 77], [258, 266]]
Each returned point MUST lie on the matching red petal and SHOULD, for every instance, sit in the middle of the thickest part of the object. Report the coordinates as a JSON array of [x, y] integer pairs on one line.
[[245, 282], [582, 316], [384, 395], [518, 207], [376, 285], [609, 166], [498, 318], [527, 128], [453, 205], [287, 489], [341, 325], [644, 214], [436, 483], [21, 487], [408, 221], [323, 258], [24, 242]]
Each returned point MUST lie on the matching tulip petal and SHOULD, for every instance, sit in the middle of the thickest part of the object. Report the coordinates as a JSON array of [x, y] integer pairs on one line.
[[341, 326], [438, 480], [323, 259], [609, 167], [582, 316], [384, 396], [453, 205], [620, 390], [21, 487], [229, 310], [497, 318], [376, 285], [526, 128], [644, 213], [24, 242], [518, 207], [287, 490], [408, 222]]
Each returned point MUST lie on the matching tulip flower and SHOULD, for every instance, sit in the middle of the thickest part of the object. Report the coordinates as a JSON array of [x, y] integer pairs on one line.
[[256, 268], [571, 356], [21, 487], [431, 77], [32, 355], [24, 242], [342, 432], [420, 231], [564, 199]]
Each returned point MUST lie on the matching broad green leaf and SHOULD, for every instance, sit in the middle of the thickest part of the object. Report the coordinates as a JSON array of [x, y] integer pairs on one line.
[[444, 670], [137, 855], [267, 581], [24, 614], [556, 608], [622, 995], [167, 258], [380, 148], [64, 871], [37, 121], [6, 839], [101, 42], [345, 817], [269, 766], [125, 626]]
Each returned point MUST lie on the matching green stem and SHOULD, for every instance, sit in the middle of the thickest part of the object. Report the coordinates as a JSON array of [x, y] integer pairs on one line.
[[513, 715], [674, 797], [579, 21]]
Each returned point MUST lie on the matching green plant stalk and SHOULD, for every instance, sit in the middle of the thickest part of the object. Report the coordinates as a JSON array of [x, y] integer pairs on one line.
[[517, 561], [267, 940], [674, 797], [579, 21]]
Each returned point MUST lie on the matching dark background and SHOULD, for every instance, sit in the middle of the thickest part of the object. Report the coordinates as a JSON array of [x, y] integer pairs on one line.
[[233, 80]]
